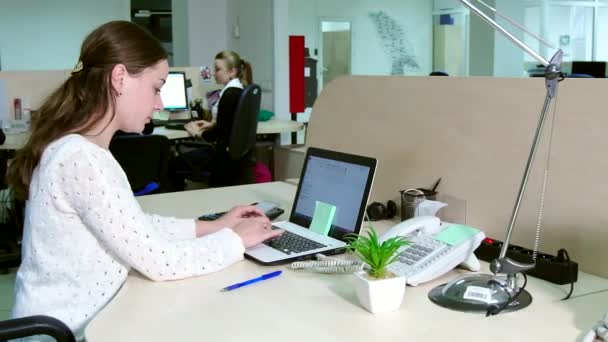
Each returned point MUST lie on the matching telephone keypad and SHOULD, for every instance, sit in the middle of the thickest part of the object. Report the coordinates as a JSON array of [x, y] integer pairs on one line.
[[422, 251]]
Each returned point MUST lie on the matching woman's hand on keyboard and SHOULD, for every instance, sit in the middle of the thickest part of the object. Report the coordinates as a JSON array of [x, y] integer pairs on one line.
[[255, 230], [237, 214]]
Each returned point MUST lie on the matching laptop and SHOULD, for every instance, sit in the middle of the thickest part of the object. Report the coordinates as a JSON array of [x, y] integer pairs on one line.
[[339, 179]]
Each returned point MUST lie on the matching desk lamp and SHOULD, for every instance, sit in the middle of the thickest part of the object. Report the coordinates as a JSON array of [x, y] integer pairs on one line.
[[489, 293]]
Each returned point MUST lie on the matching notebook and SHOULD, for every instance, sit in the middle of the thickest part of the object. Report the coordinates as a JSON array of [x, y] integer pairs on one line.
[[339, 179]]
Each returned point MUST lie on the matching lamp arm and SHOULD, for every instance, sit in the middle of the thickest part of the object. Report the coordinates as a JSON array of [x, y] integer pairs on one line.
[[552, 75], [518, 25], [506, 33]]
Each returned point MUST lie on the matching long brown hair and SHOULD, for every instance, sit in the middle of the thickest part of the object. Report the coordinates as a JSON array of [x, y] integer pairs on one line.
[[87, 95], [233, 60]]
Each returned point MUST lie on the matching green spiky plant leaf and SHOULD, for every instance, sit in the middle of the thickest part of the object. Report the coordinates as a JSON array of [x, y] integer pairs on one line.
[[378, 255]]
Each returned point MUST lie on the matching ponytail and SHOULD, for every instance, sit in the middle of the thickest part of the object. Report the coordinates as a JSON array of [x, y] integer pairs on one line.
[[246, 74]]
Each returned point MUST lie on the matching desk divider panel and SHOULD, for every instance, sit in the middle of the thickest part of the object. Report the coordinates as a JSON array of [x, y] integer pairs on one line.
[[476, 134]]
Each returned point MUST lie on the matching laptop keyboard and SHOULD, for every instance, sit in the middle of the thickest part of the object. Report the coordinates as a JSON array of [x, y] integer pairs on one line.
[[290, 243]]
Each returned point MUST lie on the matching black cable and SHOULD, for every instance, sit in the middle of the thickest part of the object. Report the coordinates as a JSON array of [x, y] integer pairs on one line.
[[565, 254], [588, 294], [496, 310]]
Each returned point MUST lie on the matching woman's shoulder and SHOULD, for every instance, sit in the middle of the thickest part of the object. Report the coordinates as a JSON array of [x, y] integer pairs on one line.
[[68, 147]]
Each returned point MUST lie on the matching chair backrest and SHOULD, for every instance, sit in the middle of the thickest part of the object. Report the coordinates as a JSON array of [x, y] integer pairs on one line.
[[35, 325], [245, 125], [144, 158]]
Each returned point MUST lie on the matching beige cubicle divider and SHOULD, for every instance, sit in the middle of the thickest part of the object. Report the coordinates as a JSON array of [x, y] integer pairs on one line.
[[476, 134], [32, 87]]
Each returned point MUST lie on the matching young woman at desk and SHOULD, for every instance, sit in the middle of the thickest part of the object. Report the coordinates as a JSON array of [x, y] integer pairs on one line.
[[233, 73], [83, 228]]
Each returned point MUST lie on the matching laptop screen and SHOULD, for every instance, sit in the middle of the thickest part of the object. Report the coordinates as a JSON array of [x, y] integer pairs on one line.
[[338, 179]]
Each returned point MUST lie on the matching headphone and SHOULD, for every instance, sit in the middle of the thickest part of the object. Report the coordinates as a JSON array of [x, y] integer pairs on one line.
[[377, 211]]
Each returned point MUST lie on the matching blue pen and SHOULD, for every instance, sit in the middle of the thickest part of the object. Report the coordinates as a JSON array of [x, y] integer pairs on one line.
[[251, 281]]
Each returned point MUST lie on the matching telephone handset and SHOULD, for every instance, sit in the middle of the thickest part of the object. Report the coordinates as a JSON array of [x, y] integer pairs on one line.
[[435, 248]]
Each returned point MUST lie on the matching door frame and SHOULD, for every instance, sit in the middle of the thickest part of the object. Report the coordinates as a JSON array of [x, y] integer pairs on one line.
[[467, 28], [320, 21]]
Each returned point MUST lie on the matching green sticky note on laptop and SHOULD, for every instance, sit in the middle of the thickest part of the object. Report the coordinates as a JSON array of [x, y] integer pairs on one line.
[[455, 234], [323, 218]]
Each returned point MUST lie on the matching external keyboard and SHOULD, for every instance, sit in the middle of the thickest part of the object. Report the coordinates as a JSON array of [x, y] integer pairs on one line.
[[272, 213], [290, 243]]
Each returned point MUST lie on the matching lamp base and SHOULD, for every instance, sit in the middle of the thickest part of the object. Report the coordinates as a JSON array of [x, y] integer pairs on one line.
[[479, 293]]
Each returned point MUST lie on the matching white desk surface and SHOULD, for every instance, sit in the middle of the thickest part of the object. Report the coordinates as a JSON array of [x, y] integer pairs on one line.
[[303, 306], [170, 133], [276, 126]]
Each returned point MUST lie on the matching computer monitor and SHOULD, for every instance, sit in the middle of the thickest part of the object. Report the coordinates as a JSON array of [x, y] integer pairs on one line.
[[173, 93], [595, 69]]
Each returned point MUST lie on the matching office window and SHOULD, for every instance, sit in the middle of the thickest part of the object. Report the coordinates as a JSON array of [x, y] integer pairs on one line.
[[532, 22], [601, 53], [572, 28]]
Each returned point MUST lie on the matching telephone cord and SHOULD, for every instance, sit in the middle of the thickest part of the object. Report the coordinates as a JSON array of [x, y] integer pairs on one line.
[[328, 265], [541, 205]]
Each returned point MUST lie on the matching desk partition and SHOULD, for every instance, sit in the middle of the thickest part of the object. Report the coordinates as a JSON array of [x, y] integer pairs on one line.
[[476, 133]]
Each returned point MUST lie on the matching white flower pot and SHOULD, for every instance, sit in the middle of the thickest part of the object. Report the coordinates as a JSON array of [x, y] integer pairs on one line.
[[379, 295]]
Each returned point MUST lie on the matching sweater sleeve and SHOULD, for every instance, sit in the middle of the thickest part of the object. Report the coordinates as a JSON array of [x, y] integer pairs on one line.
[[173, 228], [94, 187]]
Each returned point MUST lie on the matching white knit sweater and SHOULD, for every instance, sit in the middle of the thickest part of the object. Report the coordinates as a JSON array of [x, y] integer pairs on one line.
[[84, 230]]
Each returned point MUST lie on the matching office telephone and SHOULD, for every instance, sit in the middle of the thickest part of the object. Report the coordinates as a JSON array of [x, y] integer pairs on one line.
[[435, 248]]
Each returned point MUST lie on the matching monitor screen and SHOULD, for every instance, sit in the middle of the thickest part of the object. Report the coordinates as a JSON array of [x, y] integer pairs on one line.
[[595, 69], [173, 93], [339, 179]]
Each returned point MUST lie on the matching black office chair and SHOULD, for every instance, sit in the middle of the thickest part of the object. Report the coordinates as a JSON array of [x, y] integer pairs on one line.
[[11, 221], [235, 165], [145, 160], [35, 325]]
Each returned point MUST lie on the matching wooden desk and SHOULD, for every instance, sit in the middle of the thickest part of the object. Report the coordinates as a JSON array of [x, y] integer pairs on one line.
[[302, 306]]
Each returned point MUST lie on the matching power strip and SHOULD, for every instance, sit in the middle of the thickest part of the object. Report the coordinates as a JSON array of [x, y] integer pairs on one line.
[[556, 269]]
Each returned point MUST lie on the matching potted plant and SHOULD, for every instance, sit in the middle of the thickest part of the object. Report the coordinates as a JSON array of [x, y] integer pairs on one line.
[[377, 288]]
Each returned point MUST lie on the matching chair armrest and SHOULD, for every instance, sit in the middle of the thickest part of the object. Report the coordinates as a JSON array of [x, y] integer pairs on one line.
[[35, 325], [194, 144]]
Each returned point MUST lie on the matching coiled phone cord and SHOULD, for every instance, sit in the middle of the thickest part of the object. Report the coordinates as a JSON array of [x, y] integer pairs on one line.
[[324, 264]]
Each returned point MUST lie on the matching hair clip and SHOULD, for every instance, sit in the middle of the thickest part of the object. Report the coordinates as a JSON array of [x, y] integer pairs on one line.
[[77, 67]]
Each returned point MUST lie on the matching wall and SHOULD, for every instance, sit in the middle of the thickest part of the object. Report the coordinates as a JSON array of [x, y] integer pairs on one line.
[[181, 37], [207, 33], [481, 46], [280, 11], [46, 35], [255, 40], [508, 58], [368, 56]]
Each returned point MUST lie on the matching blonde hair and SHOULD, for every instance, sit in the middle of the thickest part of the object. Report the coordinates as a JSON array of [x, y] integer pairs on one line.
[[234, 61]]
